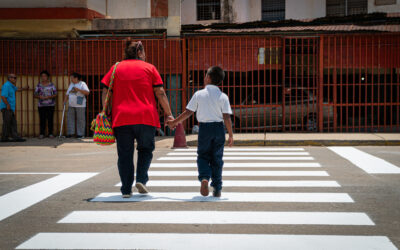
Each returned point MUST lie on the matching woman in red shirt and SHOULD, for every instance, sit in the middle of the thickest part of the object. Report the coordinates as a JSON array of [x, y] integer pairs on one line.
[[134, 114]]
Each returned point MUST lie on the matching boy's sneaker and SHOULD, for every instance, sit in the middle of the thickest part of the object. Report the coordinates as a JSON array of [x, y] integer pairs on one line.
[[217, 193], [141, 188], [204, 188], [126, 195]]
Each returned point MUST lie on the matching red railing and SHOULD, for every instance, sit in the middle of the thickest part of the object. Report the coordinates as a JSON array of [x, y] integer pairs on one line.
[[326, 83]]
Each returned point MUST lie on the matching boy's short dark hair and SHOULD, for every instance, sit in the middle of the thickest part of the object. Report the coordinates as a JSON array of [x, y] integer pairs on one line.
[[216, 75]]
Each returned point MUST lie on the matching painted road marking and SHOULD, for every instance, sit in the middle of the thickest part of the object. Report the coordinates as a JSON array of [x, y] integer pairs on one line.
[[16, 201], [243, 153], [204, 241], [227, 197], [227, 158], [243, 165], [247, 149], [219, 217], [242, 173], [369, 163], [230, 183]]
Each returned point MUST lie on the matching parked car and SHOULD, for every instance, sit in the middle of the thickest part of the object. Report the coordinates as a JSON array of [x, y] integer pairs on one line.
[[299, 112]]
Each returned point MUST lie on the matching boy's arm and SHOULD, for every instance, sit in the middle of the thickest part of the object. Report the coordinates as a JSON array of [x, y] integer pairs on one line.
[[182, 117], [228, 124]]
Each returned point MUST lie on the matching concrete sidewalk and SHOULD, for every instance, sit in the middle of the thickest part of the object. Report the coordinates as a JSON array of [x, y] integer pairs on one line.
[[302, 139], [260, 139]]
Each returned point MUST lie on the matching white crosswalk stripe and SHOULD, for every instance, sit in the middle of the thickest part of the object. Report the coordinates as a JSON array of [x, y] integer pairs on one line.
[[227, 197], [242, 173], [266, 149], [204, 241], [244, 153], [242, 165], [218, 217], [239, 183], [260, 158], [245, 158]]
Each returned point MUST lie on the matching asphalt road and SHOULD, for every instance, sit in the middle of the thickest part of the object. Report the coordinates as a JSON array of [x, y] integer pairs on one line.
[[273, 198]]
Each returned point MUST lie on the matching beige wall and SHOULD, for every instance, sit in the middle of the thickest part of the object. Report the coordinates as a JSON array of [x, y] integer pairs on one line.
[[246, 11], [383, 8], [305, 9], [42, 28], [129, 8]]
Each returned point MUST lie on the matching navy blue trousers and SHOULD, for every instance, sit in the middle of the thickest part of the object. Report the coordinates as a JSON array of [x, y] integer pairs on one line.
[[125, 136], [210, 151]]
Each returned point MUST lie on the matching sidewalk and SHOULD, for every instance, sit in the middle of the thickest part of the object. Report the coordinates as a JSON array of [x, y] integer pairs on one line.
[[302, 139], [268, 139]]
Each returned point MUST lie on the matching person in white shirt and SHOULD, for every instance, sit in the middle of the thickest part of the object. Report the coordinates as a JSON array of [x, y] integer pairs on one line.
[[76, 97], [212, 110]]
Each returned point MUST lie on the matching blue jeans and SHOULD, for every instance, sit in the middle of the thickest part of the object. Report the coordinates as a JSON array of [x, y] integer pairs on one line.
[[125, 136], [210, 151]]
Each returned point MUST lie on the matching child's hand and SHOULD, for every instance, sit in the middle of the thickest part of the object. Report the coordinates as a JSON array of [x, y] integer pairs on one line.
[[171, 124], [230, 141]]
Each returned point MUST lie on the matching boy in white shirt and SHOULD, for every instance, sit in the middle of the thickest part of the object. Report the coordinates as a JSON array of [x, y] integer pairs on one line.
[[212, 110]]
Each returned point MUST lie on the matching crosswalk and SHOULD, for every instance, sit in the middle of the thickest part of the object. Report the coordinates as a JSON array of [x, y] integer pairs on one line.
[[240, 168]]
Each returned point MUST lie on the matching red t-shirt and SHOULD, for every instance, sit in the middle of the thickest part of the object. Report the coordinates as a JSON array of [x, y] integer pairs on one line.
[[133, 99]]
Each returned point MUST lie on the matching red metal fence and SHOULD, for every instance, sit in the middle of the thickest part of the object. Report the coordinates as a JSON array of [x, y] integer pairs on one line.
[[327, 83]]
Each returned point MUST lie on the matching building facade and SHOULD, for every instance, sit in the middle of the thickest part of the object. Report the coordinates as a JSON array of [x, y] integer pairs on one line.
[[237, 11]]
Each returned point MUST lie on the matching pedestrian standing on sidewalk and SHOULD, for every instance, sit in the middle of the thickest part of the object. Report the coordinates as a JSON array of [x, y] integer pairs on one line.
[[46, 92], [7, 106], [212, 111], [134, 114], [76, 97]]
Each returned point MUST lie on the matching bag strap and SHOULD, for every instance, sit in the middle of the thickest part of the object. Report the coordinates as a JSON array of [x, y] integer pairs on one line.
[[109, 89]]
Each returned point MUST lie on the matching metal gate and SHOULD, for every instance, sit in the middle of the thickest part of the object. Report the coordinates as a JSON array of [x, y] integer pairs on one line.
[[299, 110]]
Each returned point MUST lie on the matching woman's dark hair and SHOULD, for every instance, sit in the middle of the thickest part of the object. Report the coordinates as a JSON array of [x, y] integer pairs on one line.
[[216, 74], [77, 75], [132, 49], [45, 72]]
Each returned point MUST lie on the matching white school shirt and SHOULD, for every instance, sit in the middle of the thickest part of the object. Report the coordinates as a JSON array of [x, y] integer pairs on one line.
[[75, 96], [209, 104]]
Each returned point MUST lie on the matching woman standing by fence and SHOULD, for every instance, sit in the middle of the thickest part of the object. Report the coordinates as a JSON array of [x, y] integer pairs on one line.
[[76, 96], [46, 92]]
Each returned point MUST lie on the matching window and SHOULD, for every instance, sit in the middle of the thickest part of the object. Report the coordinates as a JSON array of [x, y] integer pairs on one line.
[[385, 2], [273, 10], [208, 10], [346, 7]]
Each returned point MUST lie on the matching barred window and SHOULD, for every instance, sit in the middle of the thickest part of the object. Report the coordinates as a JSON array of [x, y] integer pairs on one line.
[[346, 7], [208, 10], [273, 10]]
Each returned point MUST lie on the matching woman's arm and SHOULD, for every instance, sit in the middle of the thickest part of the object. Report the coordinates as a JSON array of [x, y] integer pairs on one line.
[[85, 92], [163, 100]]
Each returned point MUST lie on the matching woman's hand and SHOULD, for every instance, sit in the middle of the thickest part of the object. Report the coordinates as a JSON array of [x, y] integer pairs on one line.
[[171, 124]]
